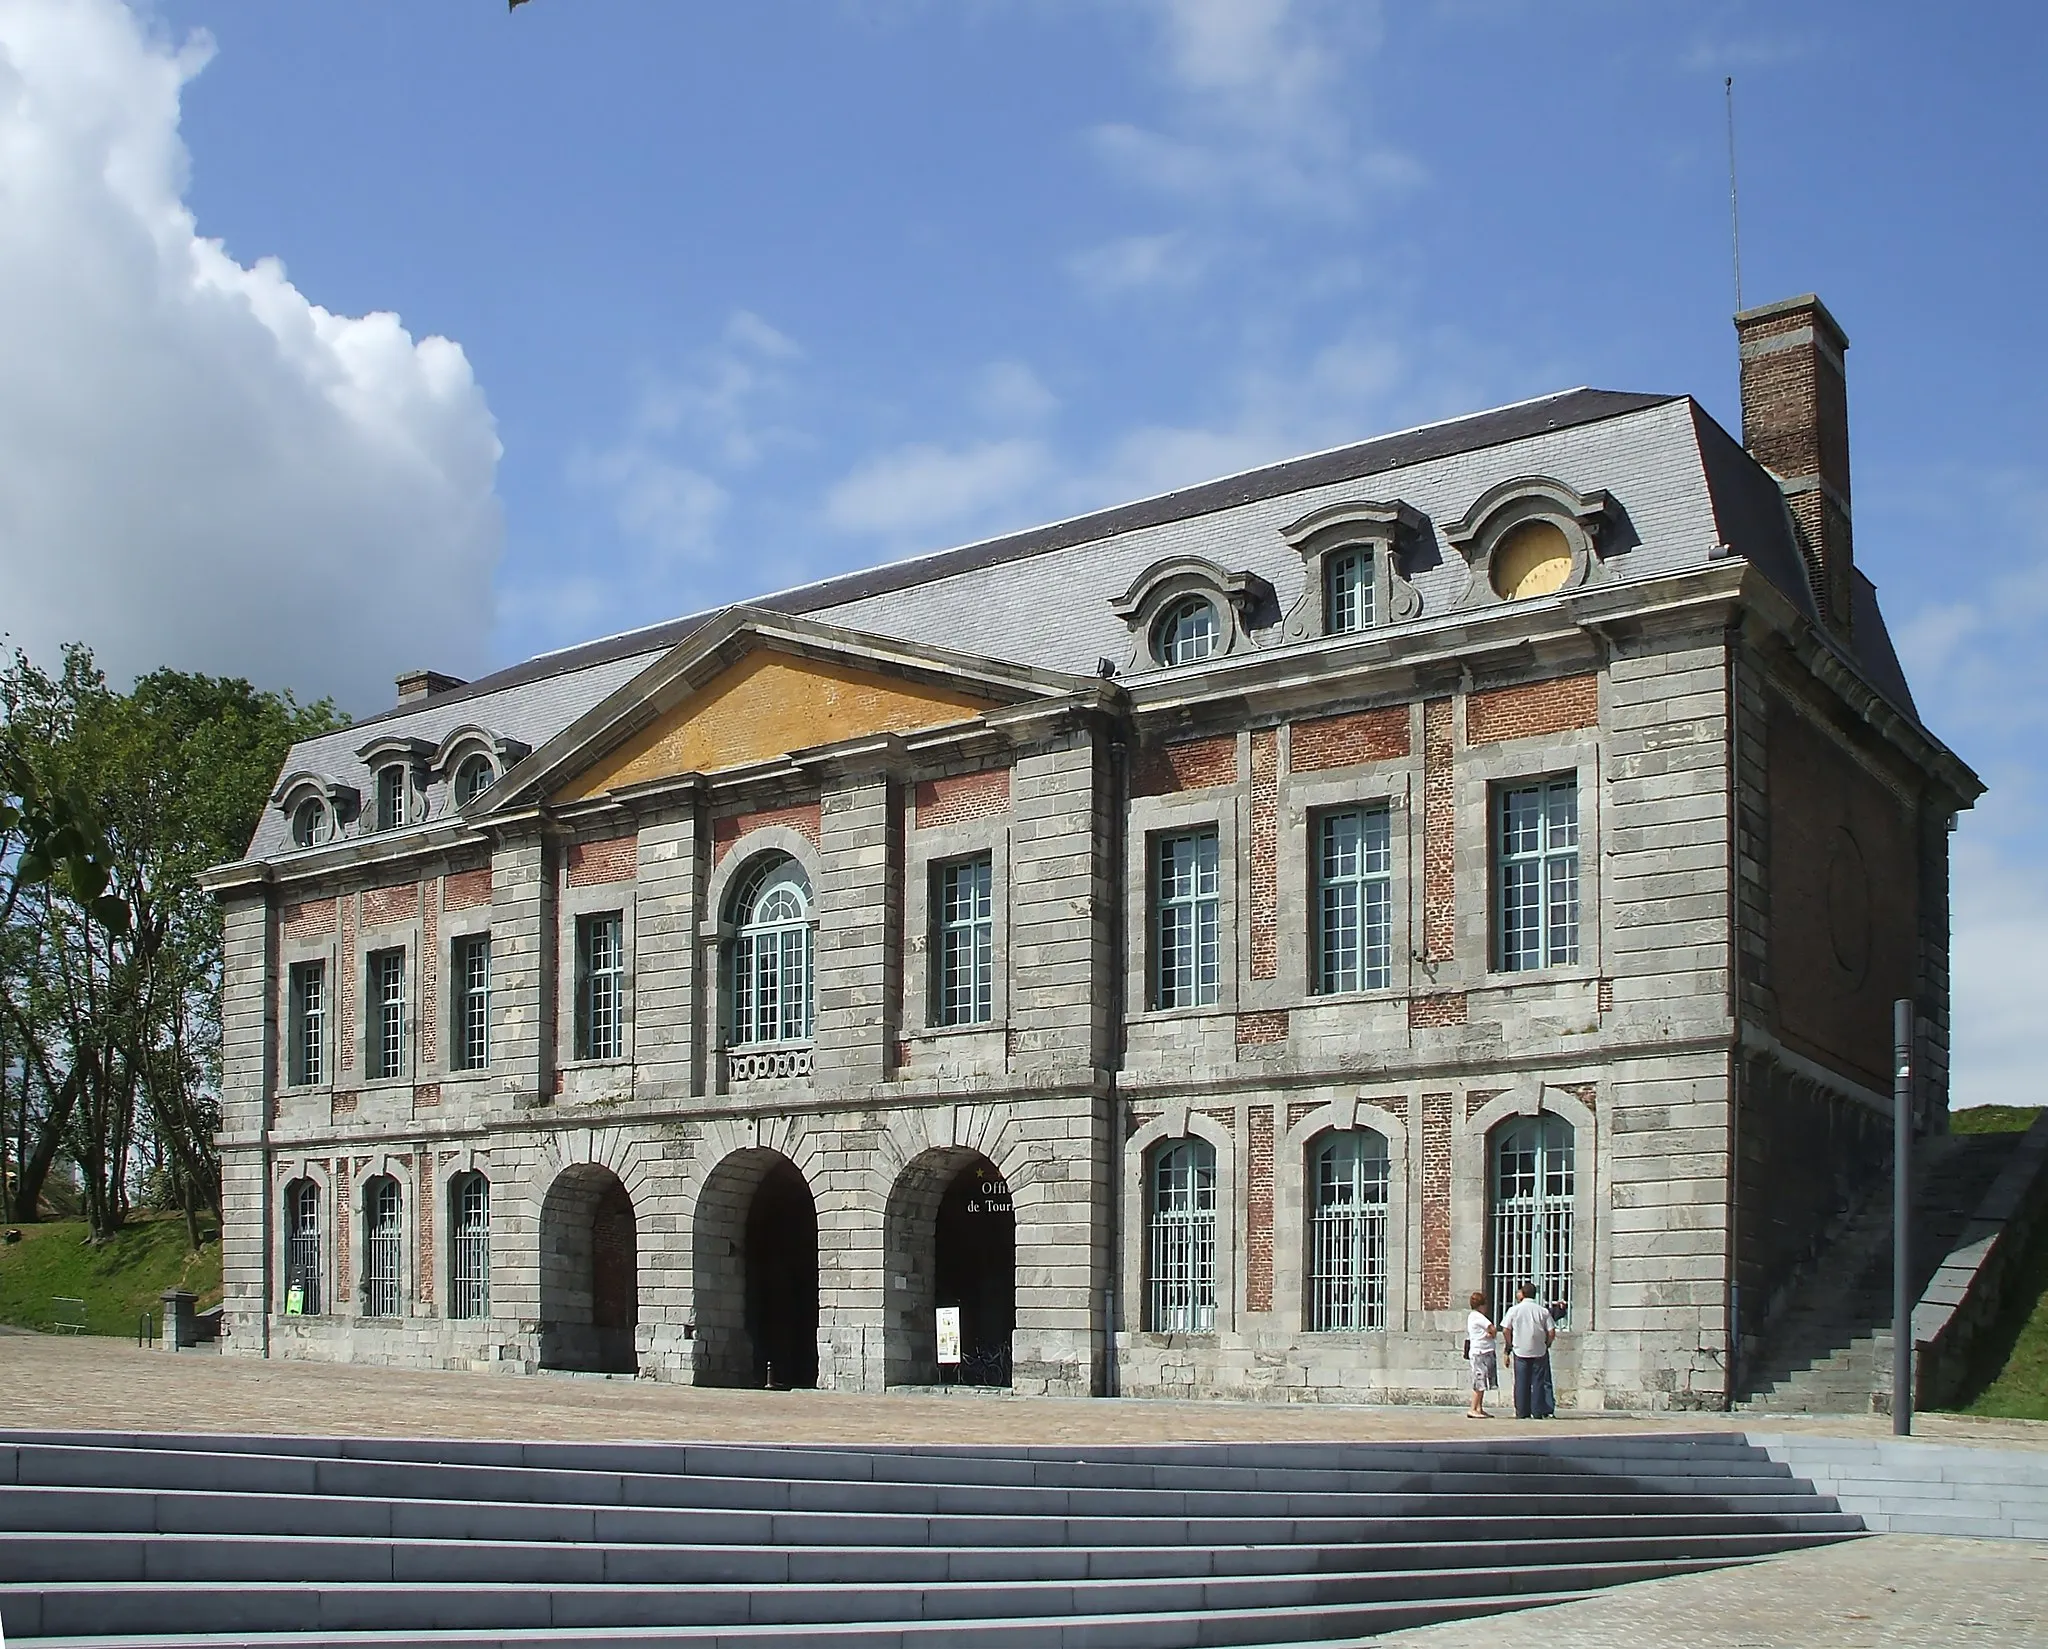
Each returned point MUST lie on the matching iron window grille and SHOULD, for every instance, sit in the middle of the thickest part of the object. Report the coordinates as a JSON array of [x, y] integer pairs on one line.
[[1189, 631], [1537, 871], [387, 1023], [1355, 901], [1181, 1277], [472, 1002], [306, 1024], [1532, 1211], [1348, 1233], [1187, 967], [1348, 592], [302, 1245], [383, 1235], [469, 1293], [392, 784], [771, 956], [966, 974], [601, 986]]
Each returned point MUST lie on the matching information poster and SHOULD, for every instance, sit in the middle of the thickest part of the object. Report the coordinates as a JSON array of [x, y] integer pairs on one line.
[[949, 1336]]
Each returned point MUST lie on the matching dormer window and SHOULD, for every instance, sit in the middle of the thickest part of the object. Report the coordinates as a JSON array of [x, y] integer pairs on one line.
[[391, 796], [1348, 590], [1529, 537], [1354, 558], [473, 778], [1531, 558], [309, 822], [315, 806], [1188, 632]]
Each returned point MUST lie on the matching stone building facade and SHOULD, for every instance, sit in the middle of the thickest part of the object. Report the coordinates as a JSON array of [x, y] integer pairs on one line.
[[1185, 949]]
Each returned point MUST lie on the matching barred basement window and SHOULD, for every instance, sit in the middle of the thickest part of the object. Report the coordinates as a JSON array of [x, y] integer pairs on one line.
[[966, 944], [1181, 1274], [387, 1010], [1187, 967], [306, 1024], [472, 1040], [383, 1236], [391, 796], [601, 986], [1348, 592], [1531, 1225], [469, 1230], [1355, 901], [771, 955], [1348, 1234], [1536, 869], [302, 1249]]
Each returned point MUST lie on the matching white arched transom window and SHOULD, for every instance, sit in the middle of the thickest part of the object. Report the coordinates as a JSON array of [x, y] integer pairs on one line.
[[1532, 1185], [771, 955], [1348, 1232], [1189, 631], [1181, 1209]]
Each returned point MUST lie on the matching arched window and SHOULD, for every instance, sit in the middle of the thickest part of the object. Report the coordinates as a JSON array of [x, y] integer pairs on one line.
[[473, 778], [1348, 1232], [1531, 1224], [383, 1246], [309, 822], [1181, 1194], [1189, 631], [1348, 591], [771, 954], [469, 1239], [302, 1249]]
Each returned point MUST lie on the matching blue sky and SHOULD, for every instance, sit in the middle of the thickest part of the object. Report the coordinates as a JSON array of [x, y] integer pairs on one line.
[[737, 296]]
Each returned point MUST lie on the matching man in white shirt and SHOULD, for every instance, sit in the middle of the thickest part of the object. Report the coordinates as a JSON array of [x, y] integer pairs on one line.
[[1529, 1332]]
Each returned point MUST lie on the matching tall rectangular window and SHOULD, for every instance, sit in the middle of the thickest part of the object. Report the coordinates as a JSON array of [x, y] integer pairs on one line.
[[1354, 901], [469, 1209], [1536, 872], [306, 1024], [383, 1247], [391, 786], [966, 943], [1347, 592], [387, 1015], [600, 986], [472, 1039], [1186, 908]]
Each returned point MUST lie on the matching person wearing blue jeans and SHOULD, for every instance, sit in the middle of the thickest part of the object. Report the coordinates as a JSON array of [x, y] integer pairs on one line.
[[1529, 1332]]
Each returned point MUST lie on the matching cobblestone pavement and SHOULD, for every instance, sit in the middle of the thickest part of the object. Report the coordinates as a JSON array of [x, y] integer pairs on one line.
[[1893, 1589]]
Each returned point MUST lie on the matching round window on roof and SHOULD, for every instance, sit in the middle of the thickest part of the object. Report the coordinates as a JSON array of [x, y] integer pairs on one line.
[[1531, 558], [473, 778], [1189, 631], [309, 822]]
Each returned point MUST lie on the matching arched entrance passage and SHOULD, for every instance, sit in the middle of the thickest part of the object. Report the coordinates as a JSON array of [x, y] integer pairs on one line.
[[589, 1273], [951, 1240], [755, 1269]]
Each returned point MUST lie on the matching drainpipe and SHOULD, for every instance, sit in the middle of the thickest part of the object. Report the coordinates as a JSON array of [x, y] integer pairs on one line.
[[1112, 1292]]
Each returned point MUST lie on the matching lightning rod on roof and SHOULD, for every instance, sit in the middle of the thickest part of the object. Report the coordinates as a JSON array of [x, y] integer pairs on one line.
[[1734, 216]]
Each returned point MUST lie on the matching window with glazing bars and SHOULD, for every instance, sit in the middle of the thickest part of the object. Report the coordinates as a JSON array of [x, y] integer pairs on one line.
[[1532, 1211], [771, 955], [1181, 1271], [306, 1024], [387, 1015], [472, 1039], [1347, 1273], [1348, 592], [302, 1245], [383, 1236], [469, 1230], [1536, 868], [1186, 904], [1355, 901], [391, 788], [600, 986], [966, 972]]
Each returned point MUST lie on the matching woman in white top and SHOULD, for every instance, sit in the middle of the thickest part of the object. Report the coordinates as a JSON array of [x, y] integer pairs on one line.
[[1479, 1345]]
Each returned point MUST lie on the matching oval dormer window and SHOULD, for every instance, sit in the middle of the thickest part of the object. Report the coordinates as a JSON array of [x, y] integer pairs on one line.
[[1532, 558], [472, 779], [1189, 631], [309, 822]]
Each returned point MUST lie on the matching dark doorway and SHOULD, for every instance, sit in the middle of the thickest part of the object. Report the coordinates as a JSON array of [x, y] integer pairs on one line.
[[782, 1279], [976, 1270], [589, 1273], [614, 1279]]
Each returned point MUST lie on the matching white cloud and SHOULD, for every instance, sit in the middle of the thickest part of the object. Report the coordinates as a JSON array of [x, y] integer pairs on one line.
[[1009, 392], [924, 489], [199, 466], [1137, 263]]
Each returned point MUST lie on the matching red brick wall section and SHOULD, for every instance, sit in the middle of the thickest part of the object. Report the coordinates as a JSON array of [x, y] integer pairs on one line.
[[383, 905], [343, 985], [1227, 1115], [426, 1097], [344, 1242], [802, 817], [340, 1105], [961, 798], [1445, 1008], [1349, 741], [1436, 1202], [1439, 835], [1192, 764], [1554, 706], [424, 1209], [1258, 1233], [466, 890], [428, 1035], [1478, 1099], [1260, 1029], [615, 859], [1265, 833], [312, 920], [1299, 1109]]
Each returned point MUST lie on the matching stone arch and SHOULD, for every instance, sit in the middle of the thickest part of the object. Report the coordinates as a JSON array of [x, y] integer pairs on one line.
[[1179, 1122], [949, 1238], [589, 1272], [1471, 1191], [754, 1272], [1293, 1200]]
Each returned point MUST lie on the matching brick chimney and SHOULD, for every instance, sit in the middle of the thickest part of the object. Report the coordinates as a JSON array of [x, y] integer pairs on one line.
[[414, 685], [1795, 422]]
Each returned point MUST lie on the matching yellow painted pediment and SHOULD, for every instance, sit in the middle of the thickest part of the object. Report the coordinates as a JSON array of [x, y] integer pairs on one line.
[[767, 705]]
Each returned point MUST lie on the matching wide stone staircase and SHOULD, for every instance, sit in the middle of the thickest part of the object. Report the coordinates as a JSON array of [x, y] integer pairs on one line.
[[153, 1540], [1828, 1350]]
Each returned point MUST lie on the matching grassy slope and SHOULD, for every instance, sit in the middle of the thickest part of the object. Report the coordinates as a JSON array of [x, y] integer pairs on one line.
[[2015, 1361], [118, 1280]]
